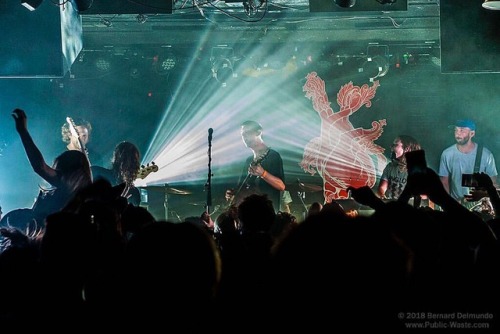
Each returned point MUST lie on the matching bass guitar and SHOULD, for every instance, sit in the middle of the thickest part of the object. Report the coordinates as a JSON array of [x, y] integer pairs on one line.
[[146, 170]]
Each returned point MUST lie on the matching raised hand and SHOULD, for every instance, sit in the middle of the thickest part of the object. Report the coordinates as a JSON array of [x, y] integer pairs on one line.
[[21, 120], [366, 196], [425, 183]]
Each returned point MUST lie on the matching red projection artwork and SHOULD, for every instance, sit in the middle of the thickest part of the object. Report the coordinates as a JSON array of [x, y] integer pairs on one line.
[[344, 156]]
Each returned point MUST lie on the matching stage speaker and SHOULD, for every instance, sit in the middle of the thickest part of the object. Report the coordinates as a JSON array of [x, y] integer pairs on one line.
[[470, 37], [91, 7], [38, 44], [357, 6]]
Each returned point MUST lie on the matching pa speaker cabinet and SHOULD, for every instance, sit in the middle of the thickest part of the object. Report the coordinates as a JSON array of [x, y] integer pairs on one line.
[[38, 44], [92, 7], [470, 37]]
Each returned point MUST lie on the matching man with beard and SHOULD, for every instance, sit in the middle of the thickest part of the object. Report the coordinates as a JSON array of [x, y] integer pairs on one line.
[[460, 158]]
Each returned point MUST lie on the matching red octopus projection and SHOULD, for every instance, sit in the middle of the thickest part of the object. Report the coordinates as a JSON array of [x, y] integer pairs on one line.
[[343, 155]]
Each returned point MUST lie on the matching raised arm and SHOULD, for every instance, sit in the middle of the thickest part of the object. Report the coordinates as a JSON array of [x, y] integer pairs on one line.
[[35, 157]]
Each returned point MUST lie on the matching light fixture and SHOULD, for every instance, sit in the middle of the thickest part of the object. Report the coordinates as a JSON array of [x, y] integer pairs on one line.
[[106, 22], [83, 5], [31, 4], [252, 6], [375, 67], [141, 18], [222, 70], [222, 58], [103, 62], [345, 3], [164, 63], [135, 65], [491, 4]]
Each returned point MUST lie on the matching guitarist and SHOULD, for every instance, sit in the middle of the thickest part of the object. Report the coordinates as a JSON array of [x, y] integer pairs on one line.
[[84, 129], [465, 157], [263, 171], [69, 173], [125, 166]]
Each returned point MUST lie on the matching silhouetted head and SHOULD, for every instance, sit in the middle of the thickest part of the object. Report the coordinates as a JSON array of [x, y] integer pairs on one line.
[[256, 213], [126, 162], [73, 169]]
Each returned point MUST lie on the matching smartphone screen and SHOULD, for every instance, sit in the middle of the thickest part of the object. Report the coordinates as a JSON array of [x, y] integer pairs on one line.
[[469, 180]]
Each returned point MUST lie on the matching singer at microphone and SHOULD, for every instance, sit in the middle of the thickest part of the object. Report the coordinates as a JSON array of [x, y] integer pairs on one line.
[[262, 172]]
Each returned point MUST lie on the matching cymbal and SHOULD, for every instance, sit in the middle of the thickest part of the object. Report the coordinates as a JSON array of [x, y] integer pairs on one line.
[[167, 190], [304, 187], [198, 203]]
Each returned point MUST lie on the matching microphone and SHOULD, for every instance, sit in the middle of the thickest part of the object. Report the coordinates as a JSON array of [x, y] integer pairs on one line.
[[210, 131]]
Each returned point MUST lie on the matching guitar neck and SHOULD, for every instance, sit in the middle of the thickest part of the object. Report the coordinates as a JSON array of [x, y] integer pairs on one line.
[[82, 147], [74, 132]]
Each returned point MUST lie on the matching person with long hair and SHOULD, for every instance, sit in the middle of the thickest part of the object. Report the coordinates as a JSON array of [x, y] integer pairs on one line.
[[125, 166], [69, 173], [394, 176]]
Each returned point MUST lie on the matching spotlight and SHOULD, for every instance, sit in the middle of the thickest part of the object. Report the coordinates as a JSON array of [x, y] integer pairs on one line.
[[164, 63], [491, 4], [345, 3], [31, 4], [252, 7], [222, 71], [141, 18], [106, 22], [83, 5], [222, 58], [103, 62]]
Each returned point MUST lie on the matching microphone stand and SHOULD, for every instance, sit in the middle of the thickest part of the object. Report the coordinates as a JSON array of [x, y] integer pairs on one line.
[[208, 185]]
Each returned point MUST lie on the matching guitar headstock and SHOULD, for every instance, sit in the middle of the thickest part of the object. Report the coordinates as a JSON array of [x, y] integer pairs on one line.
[[72, 127], [75, 133], [146, 170]]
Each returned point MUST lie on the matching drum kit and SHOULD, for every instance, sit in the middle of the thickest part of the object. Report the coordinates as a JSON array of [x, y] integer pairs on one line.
[[165, 190], [299, 190]]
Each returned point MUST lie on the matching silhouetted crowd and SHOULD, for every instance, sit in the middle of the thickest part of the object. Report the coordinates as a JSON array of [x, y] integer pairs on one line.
[[102, 261]]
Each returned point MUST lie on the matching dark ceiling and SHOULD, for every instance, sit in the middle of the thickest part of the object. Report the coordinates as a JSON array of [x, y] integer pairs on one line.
[[281, 21], [193, 30]]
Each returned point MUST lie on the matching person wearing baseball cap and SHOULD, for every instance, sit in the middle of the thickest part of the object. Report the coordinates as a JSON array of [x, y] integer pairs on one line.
[[460, 158]]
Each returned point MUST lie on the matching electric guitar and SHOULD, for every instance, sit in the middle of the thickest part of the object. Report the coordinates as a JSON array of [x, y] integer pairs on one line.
[[74, 132], [146, 170], [244, 188]]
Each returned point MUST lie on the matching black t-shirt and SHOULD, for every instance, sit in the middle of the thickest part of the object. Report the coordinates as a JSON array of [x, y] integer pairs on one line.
[[273, 164], [99, 172]]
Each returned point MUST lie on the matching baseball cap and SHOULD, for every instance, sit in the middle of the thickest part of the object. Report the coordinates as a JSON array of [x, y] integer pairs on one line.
[[465, 123]]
